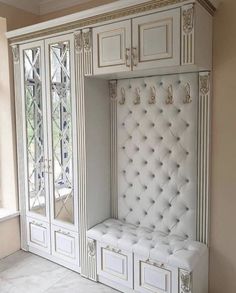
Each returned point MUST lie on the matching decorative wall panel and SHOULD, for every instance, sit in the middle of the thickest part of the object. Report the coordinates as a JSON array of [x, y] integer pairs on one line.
[[157, 153]]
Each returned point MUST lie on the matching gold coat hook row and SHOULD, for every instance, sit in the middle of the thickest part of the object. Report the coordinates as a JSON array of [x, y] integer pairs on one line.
[[153, 96]]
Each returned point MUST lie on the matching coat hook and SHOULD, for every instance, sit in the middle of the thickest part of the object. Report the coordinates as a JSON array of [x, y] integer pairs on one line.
[[152, 99], [122, 100], [169, 100], [138, 98], [187, 98]]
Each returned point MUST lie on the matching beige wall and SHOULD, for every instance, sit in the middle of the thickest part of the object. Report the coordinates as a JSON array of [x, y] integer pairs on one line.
[[223, 203], [9, 237]]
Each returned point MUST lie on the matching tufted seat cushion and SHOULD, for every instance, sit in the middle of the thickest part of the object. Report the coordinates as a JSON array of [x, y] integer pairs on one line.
[[157, 246]]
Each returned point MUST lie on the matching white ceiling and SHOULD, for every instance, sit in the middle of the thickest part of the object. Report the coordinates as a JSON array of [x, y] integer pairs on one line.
[[41, 7]]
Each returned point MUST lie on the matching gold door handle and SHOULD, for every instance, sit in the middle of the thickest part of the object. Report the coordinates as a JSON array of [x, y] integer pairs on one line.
[[135, 56], [128, 57]]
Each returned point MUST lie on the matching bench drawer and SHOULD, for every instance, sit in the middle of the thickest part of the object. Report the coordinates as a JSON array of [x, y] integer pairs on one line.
[[38, 235], [65, 244], [115, 265], [150, 277]]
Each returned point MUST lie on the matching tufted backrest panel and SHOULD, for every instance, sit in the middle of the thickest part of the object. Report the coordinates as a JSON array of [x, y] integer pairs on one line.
[[157, 153]]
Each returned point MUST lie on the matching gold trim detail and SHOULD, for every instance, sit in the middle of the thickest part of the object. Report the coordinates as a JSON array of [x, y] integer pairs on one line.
[[78, 41], [15, 53], [204, 84], [188, 16], [87, 39], [139, 8], [91, 247], [185, 281]]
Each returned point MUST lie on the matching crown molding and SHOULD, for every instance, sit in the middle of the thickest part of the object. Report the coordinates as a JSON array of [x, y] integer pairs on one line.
[[100, 14]]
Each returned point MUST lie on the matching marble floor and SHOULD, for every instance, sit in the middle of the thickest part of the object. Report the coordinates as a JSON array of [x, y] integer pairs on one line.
[[27, 273]]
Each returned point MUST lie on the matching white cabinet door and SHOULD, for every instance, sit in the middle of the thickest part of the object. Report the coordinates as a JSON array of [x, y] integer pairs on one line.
[[111, 47], [156, 40], [38, 234], [65, 245]]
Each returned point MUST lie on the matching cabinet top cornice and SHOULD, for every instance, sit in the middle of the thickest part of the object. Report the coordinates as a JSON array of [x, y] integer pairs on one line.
[[121, 9]]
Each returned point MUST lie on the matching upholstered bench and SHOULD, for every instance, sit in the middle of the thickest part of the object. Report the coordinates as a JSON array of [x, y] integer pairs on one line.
[[158, 259]]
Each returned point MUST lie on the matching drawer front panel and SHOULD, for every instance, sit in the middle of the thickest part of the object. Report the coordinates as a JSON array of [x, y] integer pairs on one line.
[[38, 234], [65, 244], [151, 278], [115, 265]]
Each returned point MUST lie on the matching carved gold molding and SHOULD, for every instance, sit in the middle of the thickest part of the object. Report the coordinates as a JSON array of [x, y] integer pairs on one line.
[[139, 8], [185, 281], [188, 16], [16, 53]]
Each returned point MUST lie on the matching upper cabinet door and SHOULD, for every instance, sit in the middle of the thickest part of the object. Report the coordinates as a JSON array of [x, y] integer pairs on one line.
[[112, 47], [156, 40], [35, 130]]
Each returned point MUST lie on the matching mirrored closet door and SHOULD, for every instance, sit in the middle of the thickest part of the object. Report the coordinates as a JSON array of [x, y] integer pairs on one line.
[[62, 131], [50, 147], [35, 130]]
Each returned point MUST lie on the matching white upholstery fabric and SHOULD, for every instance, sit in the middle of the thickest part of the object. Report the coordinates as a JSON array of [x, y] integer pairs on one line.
[[157, 154], [156, 246]]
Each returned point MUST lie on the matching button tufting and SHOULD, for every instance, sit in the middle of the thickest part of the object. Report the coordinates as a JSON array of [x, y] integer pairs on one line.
[[137, 173], [161, 111], [124, 196], [145, 162], [178, 166], [130, 112], [153, 124], [153, 176], [138, 198], [123, 124], [179, 110], [131, 161], [131, 185], [123, 147], [145, 137], [169, 124], [145, 213], [130, 209], [124, 171], [137, 124], [145, 111], [137, 149], [152, 150], [161, 190]]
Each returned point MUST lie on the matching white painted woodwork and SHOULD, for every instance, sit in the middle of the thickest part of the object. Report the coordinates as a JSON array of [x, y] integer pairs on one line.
[[156, 40], [153, 277], [112, 47], [115, 265], [65, 244], [38, 235]]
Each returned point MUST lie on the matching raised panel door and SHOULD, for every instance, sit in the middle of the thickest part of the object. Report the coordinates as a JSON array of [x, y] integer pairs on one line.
[[156, 40], [112, 47]]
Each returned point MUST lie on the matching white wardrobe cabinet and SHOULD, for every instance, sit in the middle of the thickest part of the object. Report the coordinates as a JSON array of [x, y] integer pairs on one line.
[[153, 41], [50, 147]]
